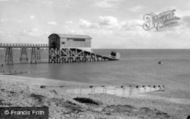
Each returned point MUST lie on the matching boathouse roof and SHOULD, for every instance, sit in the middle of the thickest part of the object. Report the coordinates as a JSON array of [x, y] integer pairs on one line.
[[73, 36]]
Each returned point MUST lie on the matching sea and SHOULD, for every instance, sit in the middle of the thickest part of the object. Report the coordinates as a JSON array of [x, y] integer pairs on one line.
[[136, 66]]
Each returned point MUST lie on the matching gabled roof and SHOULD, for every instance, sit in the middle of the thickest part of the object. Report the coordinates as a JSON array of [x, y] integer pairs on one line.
[[74, 36]]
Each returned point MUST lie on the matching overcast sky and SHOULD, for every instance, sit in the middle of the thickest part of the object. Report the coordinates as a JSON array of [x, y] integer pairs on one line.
[[111, 23]]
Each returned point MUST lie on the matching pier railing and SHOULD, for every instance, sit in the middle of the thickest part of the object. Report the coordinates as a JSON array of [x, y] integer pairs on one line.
[[21, 45]]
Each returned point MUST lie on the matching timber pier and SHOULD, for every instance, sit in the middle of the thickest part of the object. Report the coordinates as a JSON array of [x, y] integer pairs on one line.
[[70, 55], [35, 52], [63, 48]]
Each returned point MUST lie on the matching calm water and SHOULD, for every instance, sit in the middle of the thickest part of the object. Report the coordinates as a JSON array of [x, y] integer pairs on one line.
[[135, 66]]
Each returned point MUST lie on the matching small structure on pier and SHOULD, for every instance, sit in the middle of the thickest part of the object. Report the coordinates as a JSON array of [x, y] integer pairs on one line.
[[65, 48], [59, 41]]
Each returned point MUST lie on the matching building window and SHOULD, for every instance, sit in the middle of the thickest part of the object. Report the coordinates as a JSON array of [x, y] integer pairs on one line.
[[79, 39], [76, 39]]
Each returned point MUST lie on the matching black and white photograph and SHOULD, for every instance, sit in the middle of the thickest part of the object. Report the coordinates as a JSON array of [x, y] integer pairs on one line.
[[94, 59]]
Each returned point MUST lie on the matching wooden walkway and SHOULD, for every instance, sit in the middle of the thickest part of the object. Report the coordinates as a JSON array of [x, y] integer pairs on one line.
[[64, 55], [21, 45], [71, 55], [35, 52]]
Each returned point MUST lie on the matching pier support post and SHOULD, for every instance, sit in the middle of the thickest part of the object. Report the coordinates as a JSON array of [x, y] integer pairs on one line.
[[23, 55], [51, 56], [57, 56], [71, 55], [54, 56], [33, 56], [38, 54], [9, 55]]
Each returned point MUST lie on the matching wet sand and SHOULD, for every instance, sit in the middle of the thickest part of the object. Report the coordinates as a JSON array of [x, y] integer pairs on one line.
[[25, 91]]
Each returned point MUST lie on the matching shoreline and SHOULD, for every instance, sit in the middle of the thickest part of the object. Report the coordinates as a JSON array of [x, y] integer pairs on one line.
[[60, 83], [53, 83], [21, 89]]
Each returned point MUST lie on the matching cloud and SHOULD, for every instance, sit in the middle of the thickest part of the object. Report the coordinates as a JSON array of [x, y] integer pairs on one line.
[[5, 19], [104, 4], [131, 24], [15, 1], [107, 3], [32, 32], [32, 17], [4, 0], [2, 20], [49, 3], [110, 23], [186, 20], [69, 22], [52, 23], [130, 34], [2, 32], [86, 24], [182, 12], [136, 8], [102, 22]]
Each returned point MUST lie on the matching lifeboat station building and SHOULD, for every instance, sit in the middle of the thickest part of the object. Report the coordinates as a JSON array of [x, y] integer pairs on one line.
[[60, 41], [69, 48]]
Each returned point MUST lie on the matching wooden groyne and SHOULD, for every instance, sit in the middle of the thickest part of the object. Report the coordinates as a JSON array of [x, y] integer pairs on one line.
[[123, 91]]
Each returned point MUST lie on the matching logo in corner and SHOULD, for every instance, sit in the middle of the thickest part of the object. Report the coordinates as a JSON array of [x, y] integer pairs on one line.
[[160, 21]]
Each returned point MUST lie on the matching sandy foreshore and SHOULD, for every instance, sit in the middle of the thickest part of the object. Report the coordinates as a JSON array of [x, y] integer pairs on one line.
[[26, 91]]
